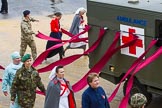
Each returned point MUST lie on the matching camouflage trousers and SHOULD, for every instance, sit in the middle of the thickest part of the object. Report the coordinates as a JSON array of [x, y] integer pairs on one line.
[[30, 105], [27, 99], [31, 44]]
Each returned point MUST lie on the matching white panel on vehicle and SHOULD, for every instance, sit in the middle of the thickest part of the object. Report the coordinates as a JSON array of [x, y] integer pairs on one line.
[[138, 47]]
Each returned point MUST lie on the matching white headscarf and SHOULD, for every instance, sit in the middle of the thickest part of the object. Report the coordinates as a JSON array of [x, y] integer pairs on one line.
[[80, 9], [53, 73]]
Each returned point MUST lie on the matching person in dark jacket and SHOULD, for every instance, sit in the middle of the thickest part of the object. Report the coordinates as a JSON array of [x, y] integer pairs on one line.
[[4, 7], [94, 96], [55, 33], [25, 83], [59, 93]]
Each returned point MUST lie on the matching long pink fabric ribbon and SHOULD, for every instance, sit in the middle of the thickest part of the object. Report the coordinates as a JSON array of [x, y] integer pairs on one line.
[[99, 65], [43, 36], [39, 92], [44, 54], [140, 66], [72, 58], [133, 66], [101, 34], [1, 67]]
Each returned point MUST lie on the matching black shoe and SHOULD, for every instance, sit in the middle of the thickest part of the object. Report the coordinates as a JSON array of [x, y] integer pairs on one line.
[[3, 12]]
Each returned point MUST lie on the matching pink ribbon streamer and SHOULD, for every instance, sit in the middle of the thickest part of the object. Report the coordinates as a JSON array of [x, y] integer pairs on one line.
[[44, 54], [43, 36], [72, 58], [39, 92], [101, 34], [1, 67], [133, 66], [71, 35], [66, 32], [99, 65], [140, 66]]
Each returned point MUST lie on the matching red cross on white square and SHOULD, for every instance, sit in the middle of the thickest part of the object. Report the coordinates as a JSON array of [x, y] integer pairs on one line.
[[138, 47]]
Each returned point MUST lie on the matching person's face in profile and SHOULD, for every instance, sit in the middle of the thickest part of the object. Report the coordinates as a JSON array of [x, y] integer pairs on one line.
[[16, 61], [59, 17], [28, 16], [60, 73], [82, 12], [94, 83]]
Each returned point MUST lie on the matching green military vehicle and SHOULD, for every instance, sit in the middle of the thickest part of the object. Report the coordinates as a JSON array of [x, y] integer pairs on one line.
[[143, 18]]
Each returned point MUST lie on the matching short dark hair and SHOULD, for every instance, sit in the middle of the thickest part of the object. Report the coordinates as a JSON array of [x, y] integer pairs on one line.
[[26, 12], [57, 14], [91, 76], [58, 67]]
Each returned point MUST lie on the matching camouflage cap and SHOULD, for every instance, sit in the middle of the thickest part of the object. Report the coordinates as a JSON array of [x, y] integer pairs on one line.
[[25, 57], [138, 100]]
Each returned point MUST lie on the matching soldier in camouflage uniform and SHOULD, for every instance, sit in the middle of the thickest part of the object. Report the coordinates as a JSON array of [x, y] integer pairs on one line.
[[26, 35], [25, 83], [138, 100]]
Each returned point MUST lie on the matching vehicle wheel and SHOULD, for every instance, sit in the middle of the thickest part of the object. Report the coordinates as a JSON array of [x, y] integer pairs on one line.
[[138, 88]]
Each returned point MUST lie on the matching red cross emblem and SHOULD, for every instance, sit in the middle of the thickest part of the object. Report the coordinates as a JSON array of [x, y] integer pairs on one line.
[[138, 43]]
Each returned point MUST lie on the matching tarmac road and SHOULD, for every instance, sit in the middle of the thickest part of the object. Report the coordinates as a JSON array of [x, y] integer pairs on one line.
[[42, 7], [9, 42]]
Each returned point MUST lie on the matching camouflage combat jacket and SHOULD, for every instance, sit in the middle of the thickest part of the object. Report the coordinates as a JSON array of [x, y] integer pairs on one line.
[[24, 86], [26, 29]]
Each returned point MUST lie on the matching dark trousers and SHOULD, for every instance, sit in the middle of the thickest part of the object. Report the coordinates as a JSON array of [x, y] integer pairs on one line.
[[4, 6]]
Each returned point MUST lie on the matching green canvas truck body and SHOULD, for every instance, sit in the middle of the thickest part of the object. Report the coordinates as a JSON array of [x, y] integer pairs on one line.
[[145, 19]]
